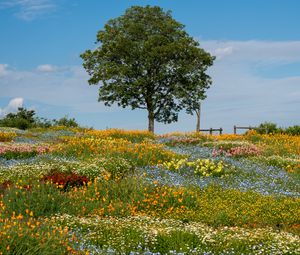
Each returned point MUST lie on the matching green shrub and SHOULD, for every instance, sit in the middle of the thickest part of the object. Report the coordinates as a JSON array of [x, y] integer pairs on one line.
[[267, 128], [66, 122], [23, 119], [293, 130], [271, 128]]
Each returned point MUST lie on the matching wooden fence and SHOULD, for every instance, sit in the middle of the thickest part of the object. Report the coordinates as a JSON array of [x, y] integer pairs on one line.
[[220, 130], [235, 128], [210, 130]]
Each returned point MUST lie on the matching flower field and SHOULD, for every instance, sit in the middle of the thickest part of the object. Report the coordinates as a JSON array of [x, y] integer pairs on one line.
[[82, 191]]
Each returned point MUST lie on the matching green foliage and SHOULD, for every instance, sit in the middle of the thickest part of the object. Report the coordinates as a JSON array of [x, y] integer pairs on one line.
[[293, 130], [66, 122], [146, 60], [267, 128], [43, 123], [23, 119], [271, 128]]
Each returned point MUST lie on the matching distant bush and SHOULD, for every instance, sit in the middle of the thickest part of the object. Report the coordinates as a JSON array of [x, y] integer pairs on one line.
[[65, 122], [293, 130], [43, 123], [267, 128], [25, 119], [271, 128]]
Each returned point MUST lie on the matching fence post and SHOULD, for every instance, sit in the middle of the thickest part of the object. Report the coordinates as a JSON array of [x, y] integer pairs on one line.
[[210, 131], [234, 129], [221, 129]]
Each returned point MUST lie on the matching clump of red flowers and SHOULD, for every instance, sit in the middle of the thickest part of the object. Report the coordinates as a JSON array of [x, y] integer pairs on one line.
[[5, 185], [66, 180]]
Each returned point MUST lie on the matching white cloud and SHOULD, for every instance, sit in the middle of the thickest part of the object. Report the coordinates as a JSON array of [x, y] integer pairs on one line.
[[59, 86], [46, 68], [222, 52], [239, 95], [29, 9], [12, 106], [3, 69], [264, 52]]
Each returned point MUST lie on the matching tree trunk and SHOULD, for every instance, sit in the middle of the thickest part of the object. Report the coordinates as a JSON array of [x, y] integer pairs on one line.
[[198, 122], [151, 122], [198, 119]]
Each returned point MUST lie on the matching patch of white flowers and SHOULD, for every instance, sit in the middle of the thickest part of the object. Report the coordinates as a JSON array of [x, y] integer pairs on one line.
[[225, 240]]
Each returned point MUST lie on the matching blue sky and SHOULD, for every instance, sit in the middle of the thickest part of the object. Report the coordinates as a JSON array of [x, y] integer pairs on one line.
[[256, 76]]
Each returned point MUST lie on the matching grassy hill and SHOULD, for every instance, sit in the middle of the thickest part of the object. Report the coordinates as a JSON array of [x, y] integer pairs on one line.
[[83, 191]]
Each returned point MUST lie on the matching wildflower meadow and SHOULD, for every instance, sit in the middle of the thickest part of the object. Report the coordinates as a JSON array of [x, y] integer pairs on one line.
[[83, 191]]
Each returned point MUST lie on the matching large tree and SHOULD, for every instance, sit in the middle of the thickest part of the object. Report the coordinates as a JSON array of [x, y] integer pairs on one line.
[[145, 59]]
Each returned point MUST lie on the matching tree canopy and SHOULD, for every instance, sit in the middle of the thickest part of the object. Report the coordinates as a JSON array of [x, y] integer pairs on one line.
[[145, 59]]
